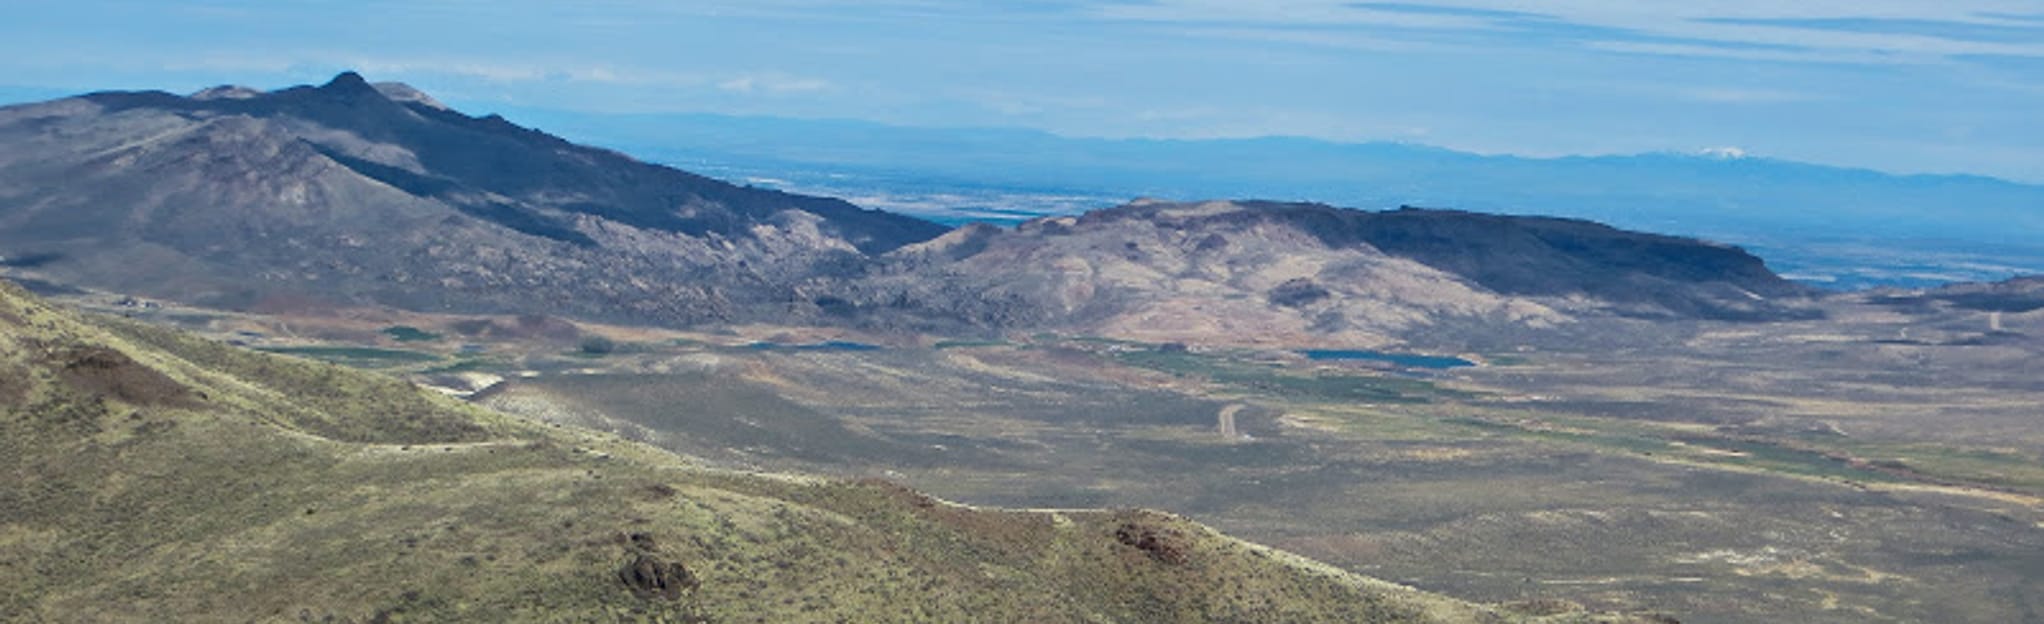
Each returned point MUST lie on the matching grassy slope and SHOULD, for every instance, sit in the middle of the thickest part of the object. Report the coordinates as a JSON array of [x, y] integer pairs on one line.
[[147, 475]]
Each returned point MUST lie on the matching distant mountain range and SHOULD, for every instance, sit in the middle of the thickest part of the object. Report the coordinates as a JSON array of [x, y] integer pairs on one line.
[[1844, 228], [353, 193]]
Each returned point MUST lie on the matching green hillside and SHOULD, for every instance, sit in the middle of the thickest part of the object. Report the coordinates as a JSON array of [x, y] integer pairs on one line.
[[147, 475]]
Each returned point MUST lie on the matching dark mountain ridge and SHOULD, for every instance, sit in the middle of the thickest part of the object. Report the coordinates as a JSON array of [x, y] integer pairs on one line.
[[357, 193], [1536, 256], [340, 194], [461, 156]]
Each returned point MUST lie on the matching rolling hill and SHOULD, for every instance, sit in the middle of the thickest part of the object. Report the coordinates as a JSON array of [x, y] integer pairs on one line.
[[153, 475]]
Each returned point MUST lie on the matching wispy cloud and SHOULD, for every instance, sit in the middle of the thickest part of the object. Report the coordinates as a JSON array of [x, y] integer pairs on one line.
[[773, 83], [1736, 95], [2015, 17], [512, 72], [1953, 30], [1828, 31], [1013, 103], [486, 70], [1437, 9], [228, 63]]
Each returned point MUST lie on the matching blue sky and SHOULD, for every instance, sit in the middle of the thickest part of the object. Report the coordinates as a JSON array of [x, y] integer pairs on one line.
[[1898, 85]]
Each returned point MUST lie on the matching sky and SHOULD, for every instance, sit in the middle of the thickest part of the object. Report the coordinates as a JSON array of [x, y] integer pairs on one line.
[[1914, 86]]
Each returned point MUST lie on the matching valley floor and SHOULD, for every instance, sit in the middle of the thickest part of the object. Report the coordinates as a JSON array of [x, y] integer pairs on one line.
[[1878, 466]]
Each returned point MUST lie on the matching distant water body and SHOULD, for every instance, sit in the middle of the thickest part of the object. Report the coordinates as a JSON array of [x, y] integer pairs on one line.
[[834, 345], [1409, 360]]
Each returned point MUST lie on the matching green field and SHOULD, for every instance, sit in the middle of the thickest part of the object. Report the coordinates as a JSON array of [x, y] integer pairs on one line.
[[359, 357], [1284, 383]]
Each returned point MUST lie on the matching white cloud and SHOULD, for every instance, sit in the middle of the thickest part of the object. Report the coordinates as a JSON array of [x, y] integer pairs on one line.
[[495, 72], [511, 72], [1734, 95], [775, 83], [228, 63], [1015, 103]]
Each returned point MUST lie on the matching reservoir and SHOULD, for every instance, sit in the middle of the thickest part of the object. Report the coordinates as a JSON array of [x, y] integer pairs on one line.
[[834, 345], [1409, 360]]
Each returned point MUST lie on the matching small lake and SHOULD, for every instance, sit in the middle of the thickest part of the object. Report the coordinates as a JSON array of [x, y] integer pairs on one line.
[[834, 345], [1409, 360]]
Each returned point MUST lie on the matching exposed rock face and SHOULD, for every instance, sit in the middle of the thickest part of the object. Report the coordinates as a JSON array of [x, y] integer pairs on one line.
[[1298, 292], [651, 576]]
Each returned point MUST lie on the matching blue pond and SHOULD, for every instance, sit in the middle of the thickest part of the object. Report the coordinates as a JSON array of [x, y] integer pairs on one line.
[[834, 345], [1409, 360]]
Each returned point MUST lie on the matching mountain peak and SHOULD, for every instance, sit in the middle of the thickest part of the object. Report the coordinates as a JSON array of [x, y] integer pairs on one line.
[[349, 83]]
